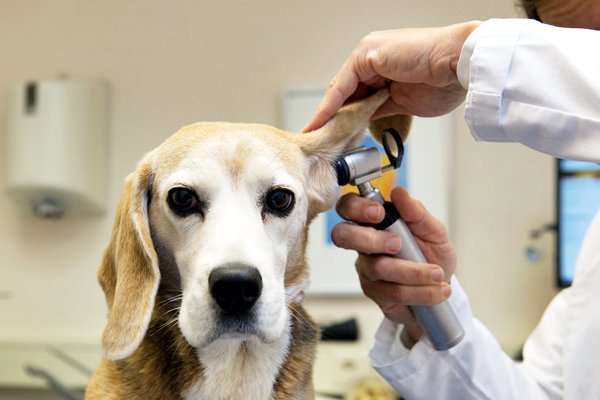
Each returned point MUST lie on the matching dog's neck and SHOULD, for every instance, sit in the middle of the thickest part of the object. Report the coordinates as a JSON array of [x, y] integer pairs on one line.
[[237, 369]]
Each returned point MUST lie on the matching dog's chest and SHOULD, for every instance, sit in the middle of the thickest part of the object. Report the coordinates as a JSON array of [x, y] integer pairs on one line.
[[239, 370]]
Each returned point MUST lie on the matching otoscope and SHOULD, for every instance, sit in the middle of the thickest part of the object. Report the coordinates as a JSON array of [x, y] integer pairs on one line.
[[358, 167]]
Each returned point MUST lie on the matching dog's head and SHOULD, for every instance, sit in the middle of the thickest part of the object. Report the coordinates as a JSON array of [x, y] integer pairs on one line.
[[218, 214]]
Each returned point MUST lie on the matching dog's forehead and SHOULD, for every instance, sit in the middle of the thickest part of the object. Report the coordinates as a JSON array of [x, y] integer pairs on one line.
[[235, 148]]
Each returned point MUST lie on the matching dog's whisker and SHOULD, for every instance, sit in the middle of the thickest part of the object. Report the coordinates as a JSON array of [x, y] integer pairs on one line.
[[169, 323], [168, 303], [292, 297], [173, 346], [297, 315], [170, 315], [179, 345], [170, 311], [298, 318], [171, 292], [171, 299], [166, 325]]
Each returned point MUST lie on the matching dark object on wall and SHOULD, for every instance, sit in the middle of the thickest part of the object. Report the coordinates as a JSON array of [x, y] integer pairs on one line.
[[346, 331]]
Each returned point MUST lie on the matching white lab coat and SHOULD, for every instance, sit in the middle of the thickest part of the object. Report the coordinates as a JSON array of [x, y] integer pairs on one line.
[[540, 86]]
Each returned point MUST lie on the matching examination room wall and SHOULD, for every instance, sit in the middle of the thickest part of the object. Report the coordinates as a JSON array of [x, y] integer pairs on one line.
[[172, 63]]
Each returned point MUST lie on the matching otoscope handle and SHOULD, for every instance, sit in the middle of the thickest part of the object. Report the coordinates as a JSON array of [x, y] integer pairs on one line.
[[439, 322]]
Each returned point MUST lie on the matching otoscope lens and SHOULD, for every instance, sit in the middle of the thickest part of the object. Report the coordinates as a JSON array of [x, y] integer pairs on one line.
[[342, 171], [392, 144]]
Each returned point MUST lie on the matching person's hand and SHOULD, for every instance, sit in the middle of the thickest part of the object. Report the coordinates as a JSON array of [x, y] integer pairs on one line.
[[418, 66], [391, 282]]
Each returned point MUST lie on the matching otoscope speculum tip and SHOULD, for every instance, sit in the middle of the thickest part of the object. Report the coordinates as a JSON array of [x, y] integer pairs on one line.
[[342, 171]]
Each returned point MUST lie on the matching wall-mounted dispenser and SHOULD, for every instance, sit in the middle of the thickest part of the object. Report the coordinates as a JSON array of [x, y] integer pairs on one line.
[[57, 147]]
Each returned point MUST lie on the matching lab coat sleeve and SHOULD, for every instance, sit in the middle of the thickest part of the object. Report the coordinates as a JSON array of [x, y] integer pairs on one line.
[[543, 352], [476, 368], [535, 84]]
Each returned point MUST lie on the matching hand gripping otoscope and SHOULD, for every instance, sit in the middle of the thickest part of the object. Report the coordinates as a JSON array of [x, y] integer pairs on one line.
[[358, 167]]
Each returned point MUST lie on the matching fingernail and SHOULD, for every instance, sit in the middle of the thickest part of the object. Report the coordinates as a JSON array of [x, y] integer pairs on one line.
[[446, 290], [437, 275], [393, 245], [338, 235], [373, 212]]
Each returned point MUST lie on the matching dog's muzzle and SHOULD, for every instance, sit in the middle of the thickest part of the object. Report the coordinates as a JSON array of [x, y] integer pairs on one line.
[[235, 287]]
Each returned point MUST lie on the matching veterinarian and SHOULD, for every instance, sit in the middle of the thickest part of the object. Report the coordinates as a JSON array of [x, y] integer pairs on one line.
[[523, 81]]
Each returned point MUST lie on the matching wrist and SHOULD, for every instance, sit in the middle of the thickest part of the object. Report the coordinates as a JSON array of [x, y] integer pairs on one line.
[[459, 36], [410, 335]]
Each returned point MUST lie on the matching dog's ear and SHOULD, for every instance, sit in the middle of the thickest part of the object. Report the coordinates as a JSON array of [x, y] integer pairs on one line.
[[401, 123], [343, 132], [129, 273]]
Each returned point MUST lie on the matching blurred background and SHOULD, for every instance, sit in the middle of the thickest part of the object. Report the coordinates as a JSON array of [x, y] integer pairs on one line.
[[168, 64]]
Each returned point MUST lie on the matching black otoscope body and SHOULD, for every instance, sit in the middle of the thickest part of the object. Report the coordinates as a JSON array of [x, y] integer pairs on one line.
[[358, 167]]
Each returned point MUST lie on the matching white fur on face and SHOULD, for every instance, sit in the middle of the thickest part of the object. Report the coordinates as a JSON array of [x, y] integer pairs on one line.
[[233, 230]]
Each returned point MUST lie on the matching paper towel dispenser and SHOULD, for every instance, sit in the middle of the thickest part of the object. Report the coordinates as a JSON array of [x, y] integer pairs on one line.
[[57, 147]]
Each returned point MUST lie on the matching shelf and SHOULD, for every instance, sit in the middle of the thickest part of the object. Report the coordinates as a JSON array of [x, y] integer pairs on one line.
[[71, 364]]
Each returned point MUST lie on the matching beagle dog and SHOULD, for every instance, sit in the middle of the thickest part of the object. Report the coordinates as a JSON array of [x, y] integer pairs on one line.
[[205, 271]]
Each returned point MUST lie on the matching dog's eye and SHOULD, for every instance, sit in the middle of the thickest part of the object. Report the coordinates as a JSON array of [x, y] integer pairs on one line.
[[183, 201], [279, 201]]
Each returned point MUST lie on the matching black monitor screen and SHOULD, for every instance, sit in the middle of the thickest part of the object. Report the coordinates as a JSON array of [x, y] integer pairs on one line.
[[578, 195]]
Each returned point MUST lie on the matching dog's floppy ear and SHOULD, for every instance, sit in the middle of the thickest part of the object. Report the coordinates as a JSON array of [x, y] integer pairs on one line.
[[343, 132], [129, 273]]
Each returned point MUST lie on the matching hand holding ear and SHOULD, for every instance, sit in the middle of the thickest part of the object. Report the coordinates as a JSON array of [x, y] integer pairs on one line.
[[391, 282], [418, 66]]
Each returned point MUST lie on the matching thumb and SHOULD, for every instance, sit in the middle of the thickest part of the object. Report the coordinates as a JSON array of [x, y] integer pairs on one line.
[[401, 55], [420, 221]]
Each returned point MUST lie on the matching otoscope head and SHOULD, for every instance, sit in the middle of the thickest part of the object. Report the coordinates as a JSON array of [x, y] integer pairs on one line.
[[364, 163], [358, 166]]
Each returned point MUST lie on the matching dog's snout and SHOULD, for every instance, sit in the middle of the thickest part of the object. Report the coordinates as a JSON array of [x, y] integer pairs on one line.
[[235, 287]]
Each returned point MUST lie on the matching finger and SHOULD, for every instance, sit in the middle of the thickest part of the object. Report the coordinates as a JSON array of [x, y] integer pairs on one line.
[[401, 315], [331, 103], [362, 91], [365, 239], [355, 80], [421, 223], [358, 209], [425, 100], [341, 87], [387, 294], [395, 270]]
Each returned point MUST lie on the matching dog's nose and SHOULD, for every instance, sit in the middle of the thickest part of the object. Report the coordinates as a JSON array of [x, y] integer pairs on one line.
[[235, 287]]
